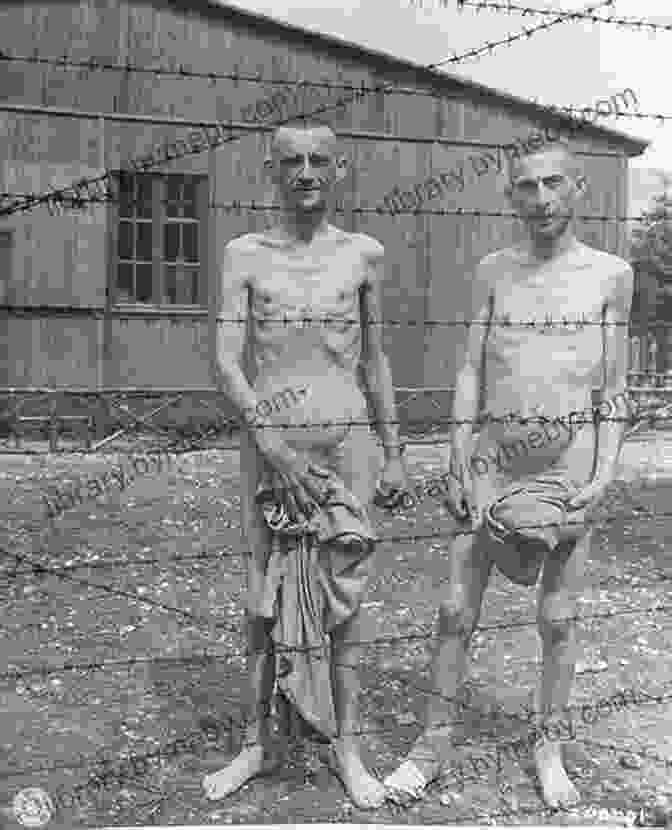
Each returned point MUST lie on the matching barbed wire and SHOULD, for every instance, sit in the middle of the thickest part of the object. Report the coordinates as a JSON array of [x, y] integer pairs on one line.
[[655, 576], [238, 206], [514, 8], [395, 539], [503, 320], [252, 206], [106, 64], [41, 568], [434, 423], [458, 699], [75, 203], [489, 47], [170, 749], [209, 656], [281, 649]]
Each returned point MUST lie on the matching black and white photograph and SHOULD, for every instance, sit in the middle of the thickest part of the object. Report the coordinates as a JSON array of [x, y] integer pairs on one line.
[[335, 414]]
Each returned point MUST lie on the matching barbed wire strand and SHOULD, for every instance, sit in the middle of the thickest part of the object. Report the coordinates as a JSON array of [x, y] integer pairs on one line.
[[282, 649], [162, 751], [180, 71], [488, 48], [637, 23], [238, 207], [502, 320]]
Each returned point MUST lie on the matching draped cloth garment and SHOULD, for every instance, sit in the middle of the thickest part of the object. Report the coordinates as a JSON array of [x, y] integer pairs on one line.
[[315, 577], [525, 513]]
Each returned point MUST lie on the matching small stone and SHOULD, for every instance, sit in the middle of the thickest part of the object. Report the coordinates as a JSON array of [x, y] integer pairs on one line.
[[630, 762]]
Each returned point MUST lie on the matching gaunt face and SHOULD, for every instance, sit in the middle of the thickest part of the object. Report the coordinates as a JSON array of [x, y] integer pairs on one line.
[[544, 192], [304, 166]]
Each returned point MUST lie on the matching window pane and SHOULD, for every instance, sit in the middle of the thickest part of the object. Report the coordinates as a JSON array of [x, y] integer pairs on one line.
[[143, 283], [191, 284], [189, 199], [125, 195], [143, 245], [143, 195], [190, 241], [125, 240], [125, 283], [169, 283], [171, 241], [173, 195], [6, 249], [181, 285]]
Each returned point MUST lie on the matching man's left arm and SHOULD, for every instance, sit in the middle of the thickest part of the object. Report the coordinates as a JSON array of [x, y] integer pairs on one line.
[[614, 407], [377, 377]]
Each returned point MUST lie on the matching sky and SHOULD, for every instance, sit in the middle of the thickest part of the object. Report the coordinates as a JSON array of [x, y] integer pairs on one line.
[[573, 63]]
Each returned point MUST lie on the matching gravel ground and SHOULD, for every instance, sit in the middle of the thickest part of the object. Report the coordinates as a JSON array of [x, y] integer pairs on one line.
[[155, 571]]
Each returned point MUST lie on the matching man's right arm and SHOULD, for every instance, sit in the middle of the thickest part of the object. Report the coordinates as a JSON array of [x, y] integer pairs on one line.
[[460, 497], [228, 330]]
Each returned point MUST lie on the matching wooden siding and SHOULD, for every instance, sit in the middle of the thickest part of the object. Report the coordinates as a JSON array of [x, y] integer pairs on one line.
[[64, 260]]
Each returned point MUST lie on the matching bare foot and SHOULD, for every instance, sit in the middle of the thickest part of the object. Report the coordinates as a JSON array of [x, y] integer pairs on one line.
[[409, 781], [248, 764], [557, 790], [365, 791]]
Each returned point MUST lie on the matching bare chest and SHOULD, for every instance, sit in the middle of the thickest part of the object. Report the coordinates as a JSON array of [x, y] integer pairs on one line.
[[307, 286], [557, 306]]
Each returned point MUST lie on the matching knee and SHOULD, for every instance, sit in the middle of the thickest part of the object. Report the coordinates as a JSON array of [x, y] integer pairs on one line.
[[556, 618], [455, 617]]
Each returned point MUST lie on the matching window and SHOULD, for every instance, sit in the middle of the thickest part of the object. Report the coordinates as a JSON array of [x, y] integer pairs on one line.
[[160, 241], [6, 253]]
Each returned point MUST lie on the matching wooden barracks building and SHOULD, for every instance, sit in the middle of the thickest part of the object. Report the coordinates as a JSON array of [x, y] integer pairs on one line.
[[116, 295]]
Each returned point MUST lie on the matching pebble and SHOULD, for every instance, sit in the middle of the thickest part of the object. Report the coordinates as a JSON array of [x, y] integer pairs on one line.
[[630, 761]]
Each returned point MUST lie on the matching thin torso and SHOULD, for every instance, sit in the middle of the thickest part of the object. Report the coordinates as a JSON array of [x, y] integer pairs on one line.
[[544, 354], [551, 356], [305, 303]]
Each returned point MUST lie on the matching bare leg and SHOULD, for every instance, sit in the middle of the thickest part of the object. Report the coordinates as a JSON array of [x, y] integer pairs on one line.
[[365, 791], [563, 574], [253, 757], [459, 613]]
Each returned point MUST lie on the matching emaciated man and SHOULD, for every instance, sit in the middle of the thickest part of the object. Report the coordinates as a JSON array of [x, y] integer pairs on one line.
[[525, 511], [300, 308]]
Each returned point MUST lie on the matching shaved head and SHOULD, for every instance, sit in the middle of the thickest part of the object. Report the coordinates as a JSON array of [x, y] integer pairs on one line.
[[285, 137], [558, 147]]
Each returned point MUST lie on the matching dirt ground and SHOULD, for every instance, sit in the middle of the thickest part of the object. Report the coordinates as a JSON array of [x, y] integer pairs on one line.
[[174, 539]]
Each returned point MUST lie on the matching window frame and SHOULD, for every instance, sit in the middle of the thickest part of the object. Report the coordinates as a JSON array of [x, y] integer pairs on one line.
[[159, 220]]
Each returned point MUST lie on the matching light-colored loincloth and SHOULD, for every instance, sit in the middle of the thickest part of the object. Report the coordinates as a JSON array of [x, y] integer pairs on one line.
[[523, 485], [307, 584], [357, 461]]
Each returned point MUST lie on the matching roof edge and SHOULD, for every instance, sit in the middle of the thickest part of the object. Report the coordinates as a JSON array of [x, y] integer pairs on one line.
[[633, 146]]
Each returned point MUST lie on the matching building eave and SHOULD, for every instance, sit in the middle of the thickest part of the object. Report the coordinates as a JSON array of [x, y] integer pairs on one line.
[[413, 72]]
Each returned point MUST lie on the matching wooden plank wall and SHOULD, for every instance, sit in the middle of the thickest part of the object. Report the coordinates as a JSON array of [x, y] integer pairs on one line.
[[63, 260]]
